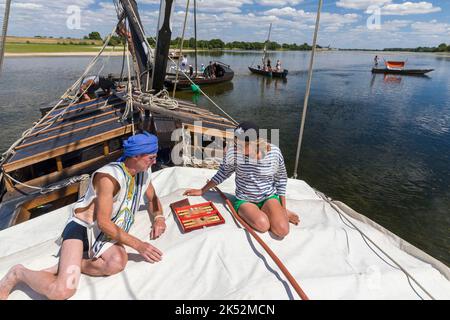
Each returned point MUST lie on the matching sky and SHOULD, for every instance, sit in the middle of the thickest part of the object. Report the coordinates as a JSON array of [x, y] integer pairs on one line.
[[371, 24]]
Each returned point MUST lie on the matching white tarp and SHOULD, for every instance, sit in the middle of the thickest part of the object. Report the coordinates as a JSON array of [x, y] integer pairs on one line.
[[329, 259]]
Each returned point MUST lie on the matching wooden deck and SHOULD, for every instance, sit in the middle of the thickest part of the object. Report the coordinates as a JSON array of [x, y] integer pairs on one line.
[[81, 139]]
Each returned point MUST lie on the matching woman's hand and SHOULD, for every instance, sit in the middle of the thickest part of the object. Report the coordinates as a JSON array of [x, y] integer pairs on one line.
[[193, 192]]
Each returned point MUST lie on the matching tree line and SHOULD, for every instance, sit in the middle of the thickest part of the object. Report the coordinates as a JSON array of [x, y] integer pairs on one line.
[[244, 45], [443, 47], [210, 44]]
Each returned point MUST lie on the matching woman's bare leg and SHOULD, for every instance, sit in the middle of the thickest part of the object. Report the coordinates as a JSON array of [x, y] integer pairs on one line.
[[278, 217], [293, 217], [257, 219]]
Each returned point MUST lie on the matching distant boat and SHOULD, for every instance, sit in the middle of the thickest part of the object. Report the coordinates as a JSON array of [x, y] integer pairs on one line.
[[268, 71], [398, 67], [274, 74], [223, 73], [216, 72]]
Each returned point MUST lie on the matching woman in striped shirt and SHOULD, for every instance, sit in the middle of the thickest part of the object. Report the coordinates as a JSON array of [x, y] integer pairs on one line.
[[260, 181]]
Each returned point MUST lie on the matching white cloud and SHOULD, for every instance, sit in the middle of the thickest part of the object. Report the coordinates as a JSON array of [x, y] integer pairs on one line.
[[361, 4], [278, 3], [326, 19], [216, 6], [26, 5], [431, 27], [407, 8]]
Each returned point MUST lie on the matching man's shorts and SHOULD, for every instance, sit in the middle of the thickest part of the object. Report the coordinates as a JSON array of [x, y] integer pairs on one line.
[[76, 231]]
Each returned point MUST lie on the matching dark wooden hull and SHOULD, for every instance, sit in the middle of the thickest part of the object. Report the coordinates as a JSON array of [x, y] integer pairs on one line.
[[185, 84], [225, 73], [273, 74], [412, 72]]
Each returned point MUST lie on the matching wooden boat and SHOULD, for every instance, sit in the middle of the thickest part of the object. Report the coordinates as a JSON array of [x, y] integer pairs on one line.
[[398, 67], [264, 70], [411, 72], [224, 73], [47, 169], [274, 74]]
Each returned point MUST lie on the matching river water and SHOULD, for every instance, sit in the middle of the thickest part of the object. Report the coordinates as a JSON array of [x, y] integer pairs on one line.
[[381, 144]]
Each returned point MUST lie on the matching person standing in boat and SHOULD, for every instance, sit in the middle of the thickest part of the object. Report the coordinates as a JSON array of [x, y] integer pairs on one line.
[[184, 63], [99, 224], [278, 66], [269, 67], [261, 181], [375, 61]]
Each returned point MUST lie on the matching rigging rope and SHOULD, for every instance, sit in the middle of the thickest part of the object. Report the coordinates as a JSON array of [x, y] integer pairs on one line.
[[4, 32], [51, 188], [206, 96], [272, 255], [45, 119], [129, 104], [366, 238], [181, 48], [308, 88]]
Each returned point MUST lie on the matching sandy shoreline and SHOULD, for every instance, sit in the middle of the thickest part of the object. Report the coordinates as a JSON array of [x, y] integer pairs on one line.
[[72, 54], [61, 54]]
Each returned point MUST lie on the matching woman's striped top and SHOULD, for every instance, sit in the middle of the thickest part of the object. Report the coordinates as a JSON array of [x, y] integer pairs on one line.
[[255, 180]]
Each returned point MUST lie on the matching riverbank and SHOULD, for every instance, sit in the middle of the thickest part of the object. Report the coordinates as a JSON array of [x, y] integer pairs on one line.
[[61, 50]]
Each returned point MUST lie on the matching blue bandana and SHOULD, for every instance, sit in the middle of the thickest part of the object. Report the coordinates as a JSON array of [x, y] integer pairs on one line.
[[143, 143]]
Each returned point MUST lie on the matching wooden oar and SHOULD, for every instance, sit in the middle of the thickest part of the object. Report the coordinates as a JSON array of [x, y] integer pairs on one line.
[[280, 265]]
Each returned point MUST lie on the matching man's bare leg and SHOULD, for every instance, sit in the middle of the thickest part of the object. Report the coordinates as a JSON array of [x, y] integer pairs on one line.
[[61, 286], [111, 262]]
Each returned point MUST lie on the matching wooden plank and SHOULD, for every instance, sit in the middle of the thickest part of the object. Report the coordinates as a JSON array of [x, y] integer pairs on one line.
[[46, 198], [73, 146], [22, 146], [59, 165], [70, 123], [24, 215], [88, 107], [210, 117], [209, 131], [9, 185], [105, 148], [74, 170]]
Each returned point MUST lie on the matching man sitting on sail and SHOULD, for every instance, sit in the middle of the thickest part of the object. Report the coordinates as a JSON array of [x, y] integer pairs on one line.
[[104, 216]]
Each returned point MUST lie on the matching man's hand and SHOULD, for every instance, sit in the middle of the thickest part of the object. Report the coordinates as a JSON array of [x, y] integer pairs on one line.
[[149, 253], [193, 192], [158, 228]]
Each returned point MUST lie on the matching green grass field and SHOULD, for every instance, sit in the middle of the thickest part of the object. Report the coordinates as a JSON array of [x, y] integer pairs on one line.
[[48, 48]]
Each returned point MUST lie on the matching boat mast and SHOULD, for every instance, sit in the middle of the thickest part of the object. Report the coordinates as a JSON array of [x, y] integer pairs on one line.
[[265, 46], [164, 33], [142, 51], [4, 32], [195, 34]]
